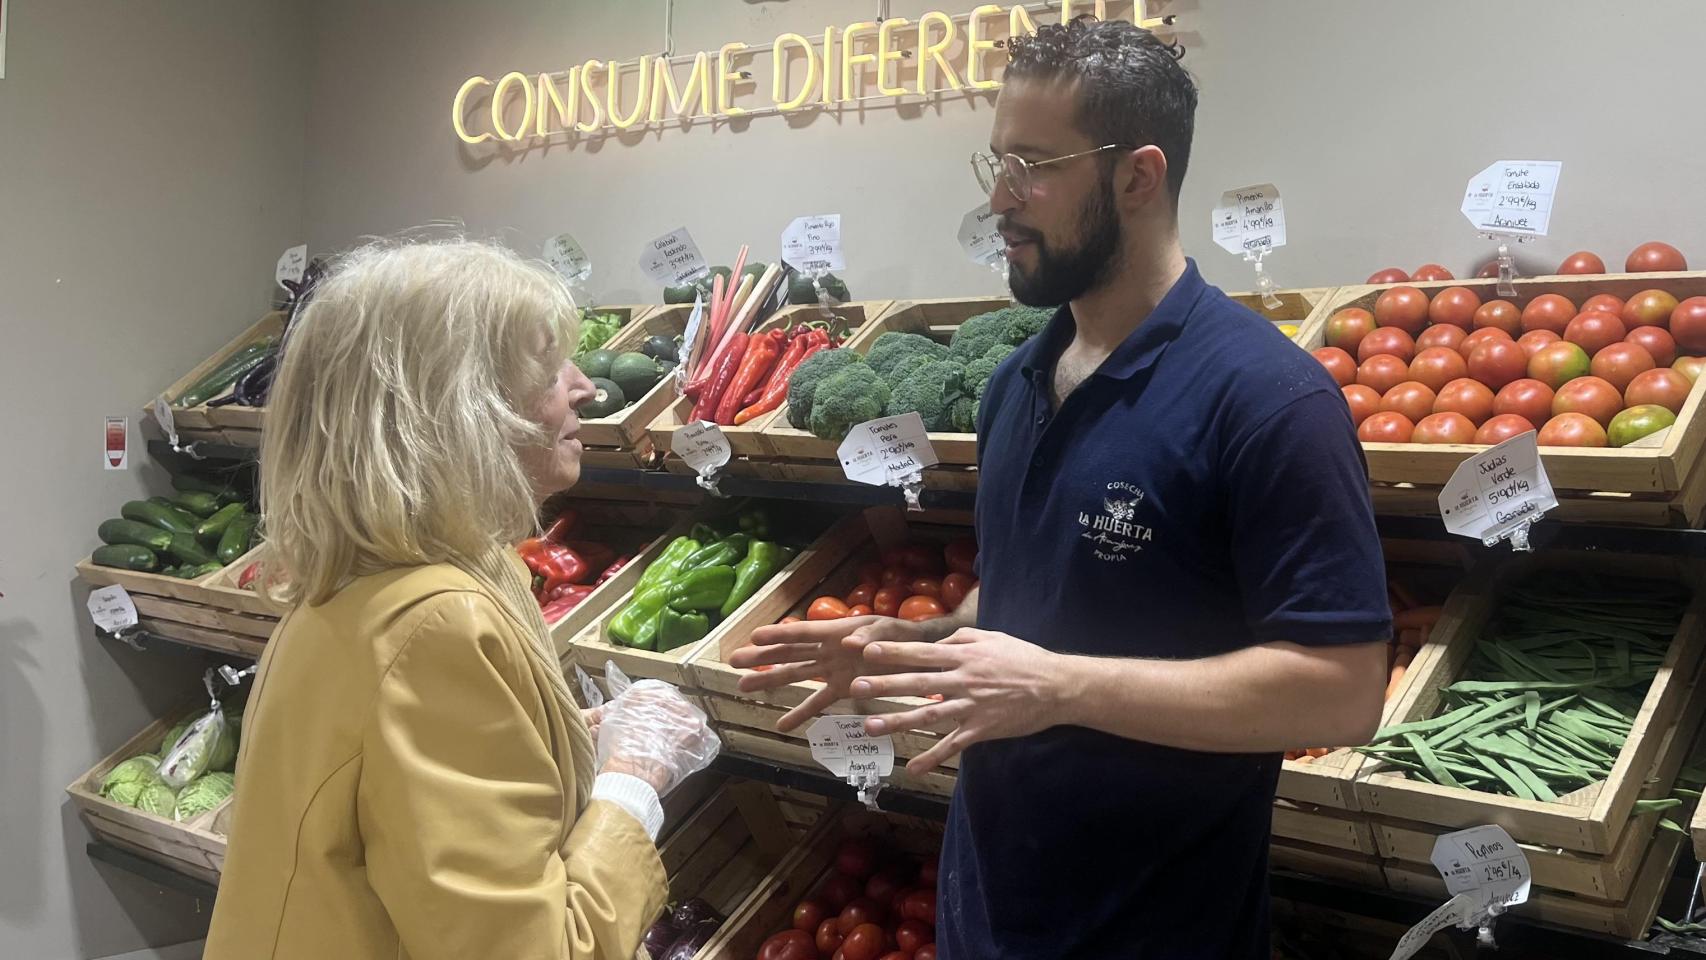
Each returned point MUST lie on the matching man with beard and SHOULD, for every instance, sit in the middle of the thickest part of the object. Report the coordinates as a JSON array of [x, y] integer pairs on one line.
[[1181, 577]]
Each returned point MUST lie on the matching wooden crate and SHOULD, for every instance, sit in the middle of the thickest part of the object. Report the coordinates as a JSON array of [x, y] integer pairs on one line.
[[1655, 474], [1592, 819], [195, 847], [639, 529], [202, 613], [1295, 309], [1331, 863], [202, 422], [1318, 826]]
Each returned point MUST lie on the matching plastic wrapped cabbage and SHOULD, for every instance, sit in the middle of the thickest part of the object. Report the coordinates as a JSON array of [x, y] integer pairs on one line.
[[225, 751], [195, 751], [157, 798], [174, 734], [136, 771], [207, 792]]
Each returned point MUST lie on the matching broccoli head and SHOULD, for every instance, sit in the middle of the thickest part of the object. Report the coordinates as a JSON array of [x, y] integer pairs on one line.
[[929, 390], [964, 413], [980, 370], [1010, 326], [892, 348], [803, 384], [903, 368], [846, 399], [1023, 323]]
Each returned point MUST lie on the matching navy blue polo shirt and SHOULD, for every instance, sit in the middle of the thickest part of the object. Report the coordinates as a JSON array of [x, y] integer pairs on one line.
[[1202, 492]]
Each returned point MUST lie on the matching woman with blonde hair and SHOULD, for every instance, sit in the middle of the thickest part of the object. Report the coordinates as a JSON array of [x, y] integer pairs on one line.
[[415, 779]]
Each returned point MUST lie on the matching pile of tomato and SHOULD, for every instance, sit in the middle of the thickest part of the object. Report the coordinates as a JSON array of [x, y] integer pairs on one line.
[[873, 906], [1651, 257], [916, 582], [1454, 369]]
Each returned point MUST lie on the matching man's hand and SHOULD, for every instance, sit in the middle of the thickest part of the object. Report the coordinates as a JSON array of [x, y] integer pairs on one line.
[[831, 650], [994, 686]]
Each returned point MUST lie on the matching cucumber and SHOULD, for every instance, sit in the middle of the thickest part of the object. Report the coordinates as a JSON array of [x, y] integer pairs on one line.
[[234, 542], [223, 376], [213, 527], [126, 556], [170, 571], [199, 504], [135, 534], [167, 518], [197, 572], [184, 548]]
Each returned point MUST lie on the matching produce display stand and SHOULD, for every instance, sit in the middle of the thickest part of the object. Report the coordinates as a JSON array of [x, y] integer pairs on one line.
[[224, 424], [1295, 309], [1661, 483], [207, 612], [630, 528]]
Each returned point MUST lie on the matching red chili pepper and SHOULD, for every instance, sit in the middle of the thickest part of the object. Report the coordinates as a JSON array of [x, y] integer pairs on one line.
[[249, 575], [706, 406], [778, 390], [761, 354], [802, 338]]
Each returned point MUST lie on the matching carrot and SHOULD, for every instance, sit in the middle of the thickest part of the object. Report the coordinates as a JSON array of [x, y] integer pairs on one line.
[[1405, 598], [1397, 677], [1316, 753], [1411, 639], [1293, 754], [1422, 617]]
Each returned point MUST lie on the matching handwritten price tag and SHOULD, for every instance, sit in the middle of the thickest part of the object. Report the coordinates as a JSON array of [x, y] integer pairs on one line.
[[1485, 863], [292, 264], [1513, 197], [1249, 219], [841, 745], [703, 446], [565, 255], [813, 244], [979, 237], [589, 690], [1493, 494], [112, 609], [674, 259], [892, 451]]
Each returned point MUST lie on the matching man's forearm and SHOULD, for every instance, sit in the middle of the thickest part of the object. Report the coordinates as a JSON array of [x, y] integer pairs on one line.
[[1269, 698]]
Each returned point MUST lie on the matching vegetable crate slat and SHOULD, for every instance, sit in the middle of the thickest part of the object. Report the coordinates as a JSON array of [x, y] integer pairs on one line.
[[1295, 309], [1588, 820], [1331, 863], [638, 529], [1610, 877], [1651, 481], [748, 442], [195, 847], [619, 440], [217, 424], [207, 612]]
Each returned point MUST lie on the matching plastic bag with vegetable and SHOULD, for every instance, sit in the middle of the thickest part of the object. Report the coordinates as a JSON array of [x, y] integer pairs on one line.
[[195, 751]]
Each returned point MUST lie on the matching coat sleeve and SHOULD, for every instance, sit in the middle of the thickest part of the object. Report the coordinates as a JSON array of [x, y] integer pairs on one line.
[[461, 809]]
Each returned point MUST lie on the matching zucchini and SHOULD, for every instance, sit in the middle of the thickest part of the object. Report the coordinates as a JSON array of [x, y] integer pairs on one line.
[[234, 542], [186, 483], [197, 572], [126, 556], [200, 504], [135, 534], [213, 527], [220, 378], [167, 518], [185, 549]]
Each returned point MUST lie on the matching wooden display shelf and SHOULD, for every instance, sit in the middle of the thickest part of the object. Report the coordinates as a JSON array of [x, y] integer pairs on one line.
[[1652, 482], [1592, 819], [1296, 306], [212, 424], [618, 441], [630, 528], [208, 612], [1331, 863]]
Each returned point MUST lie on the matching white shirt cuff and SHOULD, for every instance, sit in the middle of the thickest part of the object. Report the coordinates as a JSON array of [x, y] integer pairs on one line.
[[633, 795]]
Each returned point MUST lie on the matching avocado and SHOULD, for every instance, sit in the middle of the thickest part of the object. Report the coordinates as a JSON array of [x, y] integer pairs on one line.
[[596, 363], [755, 271], [635, 373], [607, 399], [661, 348]]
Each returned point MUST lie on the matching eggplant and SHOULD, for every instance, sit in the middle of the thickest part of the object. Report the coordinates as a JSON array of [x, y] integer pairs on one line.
[[692, 941], [252, 388], [693, 912], [660, 936]]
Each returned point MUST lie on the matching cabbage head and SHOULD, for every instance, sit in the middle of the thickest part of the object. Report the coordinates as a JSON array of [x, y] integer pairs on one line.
[[157, 798], [202, 795], [137, 770]]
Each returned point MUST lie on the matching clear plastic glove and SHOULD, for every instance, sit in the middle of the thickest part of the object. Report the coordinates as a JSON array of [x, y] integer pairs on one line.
[[653, 732]]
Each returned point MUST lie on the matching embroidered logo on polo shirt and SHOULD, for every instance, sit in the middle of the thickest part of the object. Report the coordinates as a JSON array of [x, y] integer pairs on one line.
[[1114, 534]]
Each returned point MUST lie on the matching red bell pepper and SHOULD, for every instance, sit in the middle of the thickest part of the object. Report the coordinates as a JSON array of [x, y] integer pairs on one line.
[[596, 555], [612, 570]]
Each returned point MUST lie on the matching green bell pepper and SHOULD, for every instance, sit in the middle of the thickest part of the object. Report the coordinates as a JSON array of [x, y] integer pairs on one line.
[[725, 552], [703, 589], [756, 522], [668, 563], [637, 624], [676, 629], [704, 533], [762, 562]]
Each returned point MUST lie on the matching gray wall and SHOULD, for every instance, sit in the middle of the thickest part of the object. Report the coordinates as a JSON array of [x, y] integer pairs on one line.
[[150, 173], [1370, 117]]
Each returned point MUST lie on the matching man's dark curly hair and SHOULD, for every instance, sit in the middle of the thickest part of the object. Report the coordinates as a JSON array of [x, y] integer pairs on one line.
[[1131, 88]]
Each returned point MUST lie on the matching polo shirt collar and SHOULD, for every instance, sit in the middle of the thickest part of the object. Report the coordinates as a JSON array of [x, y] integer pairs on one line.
[[1140, 350]]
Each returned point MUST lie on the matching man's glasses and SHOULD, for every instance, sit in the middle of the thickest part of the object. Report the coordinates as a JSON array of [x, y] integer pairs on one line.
[[1016, 170]]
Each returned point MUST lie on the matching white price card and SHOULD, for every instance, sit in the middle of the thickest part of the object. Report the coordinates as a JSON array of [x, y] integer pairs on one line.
[[841, 745], [1495, 492], [702, 445], [674, 259], [292, 264], [980, 238], [589, 690], [813, 244], [1484, 863], [1454, 912], [565, 255], [892, 451], [1513, 197], [112, 610], [117, 456], [1250, 219]]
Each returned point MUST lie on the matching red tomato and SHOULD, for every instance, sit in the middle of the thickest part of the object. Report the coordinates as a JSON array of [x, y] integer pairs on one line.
[[925, 587], [828, 937], [961, 555], [1499, 315], [1443, 428], [896, 955], [1454, 306], [1488, 271], [1526, 398], [1386, 427], [862, 593], [1441, 335], [955, 588], [887, 601], [871, 572], [1666, 387], [1389, 275], [927, 875], [1403, 307], [882, 886], [893, 577], [921, 608], [1690, 367], [1549, 311], [838, 891], [856, 859], [1497, 363], [1387, 341], [808, 914], [1591, 396], [1413, 400], [1470, 398], [1581, 262], [923, 560], [1610, 303], [912, 934], [1533, 340], [1502, 428], [1382, 373], [789, 945], [1653, 256], [1656, 341], [866, 941], [861, 911], [1346, 328], [1431, 272], [921, 906], [1573, 430], [826, 608], [1558, 363], [1363, 401], [1618, 364], [1483, 335], [1340, 366], [1649, 308], [1594, 332], [1437, 366], [1688, 325], [926, 952], [860, 610]]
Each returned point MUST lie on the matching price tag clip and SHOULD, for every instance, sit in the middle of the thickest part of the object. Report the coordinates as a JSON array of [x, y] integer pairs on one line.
[[705, 448]]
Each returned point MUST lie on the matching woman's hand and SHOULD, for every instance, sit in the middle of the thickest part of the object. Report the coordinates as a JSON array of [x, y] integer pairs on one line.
[[653, 732], [593, 717]]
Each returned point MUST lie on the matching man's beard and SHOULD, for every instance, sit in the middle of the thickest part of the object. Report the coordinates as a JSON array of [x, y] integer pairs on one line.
[[1065, 275]]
